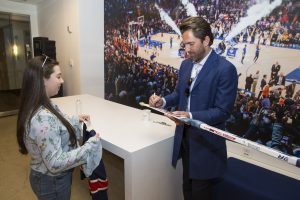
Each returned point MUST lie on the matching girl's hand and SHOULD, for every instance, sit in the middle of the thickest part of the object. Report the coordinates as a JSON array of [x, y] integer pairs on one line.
[[84, 118], [97, 135]]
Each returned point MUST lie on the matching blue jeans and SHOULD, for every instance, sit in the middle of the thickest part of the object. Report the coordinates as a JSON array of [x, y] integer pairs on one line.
[[48, 187]]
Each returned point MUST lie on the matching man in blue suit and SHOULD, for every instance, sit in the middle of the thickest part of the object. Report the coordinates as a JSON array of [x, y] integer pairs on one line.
[[205, 91]]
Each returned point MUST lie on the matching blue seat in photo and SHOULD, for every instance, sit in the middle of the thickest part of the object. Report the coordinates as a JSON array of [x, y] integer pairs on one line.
[[294, 75]]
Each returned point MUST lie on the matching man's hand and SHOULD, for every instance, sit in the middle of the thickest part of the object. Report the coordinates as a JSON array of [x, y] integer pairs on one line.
[[155, 101], [177, 114]]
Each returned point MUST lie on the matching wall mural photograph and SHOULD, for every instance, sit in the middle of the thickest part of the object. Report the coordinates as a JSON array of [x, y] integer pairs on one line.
[[143, 52]]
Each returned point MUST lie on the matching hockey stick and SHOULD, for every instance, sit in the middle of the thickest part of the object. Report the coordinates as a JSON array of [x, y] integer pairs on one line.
[[229, 136], [253, 145]]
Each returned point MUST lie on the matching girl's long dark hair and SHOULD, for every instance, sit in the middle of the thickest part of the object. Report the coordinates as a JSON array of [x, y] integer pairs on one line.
[[33, 96]]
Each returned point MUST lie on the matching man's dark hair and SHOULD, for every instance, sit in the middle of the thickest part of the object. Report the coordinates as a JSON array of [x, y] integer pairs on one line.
[[199, 26]]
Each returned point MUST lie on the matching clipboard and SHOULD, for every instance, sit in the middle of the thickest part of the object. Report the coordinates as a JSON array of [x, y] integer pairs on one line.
[[162, 111]]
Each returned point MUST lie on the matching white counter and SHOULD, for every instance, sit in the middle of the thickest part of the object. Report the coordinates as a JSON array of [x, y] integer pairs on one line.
[[146, 147]]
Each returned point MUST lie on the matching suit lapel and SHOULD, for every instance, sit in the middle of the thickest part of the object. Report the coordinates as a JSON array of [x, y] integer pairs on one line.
[[207, 67], [188, 72]]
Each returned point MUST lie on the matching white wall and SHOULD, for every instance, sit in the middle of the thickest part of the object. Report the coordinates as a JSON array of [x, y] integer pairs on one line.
[[91, 21], [79, 49], [53, 18]]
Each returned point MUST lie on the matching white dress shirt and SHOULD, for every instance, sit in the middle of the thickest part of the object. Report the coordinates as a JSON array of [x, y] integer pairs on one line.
[[195, 71]]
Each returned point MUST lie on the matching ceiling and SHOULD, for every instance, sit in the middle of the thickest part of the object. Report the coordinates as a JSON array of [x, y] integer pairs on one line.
[[33, 2]]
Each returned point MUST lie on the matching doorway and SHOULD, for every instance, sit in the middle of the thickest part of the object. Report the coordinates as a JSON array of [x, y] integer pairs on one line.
[[15, 51]]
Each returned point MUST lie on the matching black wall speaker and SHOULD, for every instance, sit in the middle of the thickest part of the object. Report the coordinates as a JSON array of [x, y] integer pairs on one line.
[[42, 45]]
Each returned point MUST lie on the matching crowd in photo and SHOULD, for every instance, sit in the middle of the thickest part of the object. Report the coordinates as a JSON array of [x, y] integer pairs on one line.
[[281, 28], [131, 79], [272, 120], [268, 115], [271, 115]]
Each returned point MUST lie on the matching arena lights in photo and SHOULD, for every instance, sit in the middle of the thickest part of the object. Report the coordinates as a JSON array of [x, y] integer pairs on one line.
[[143, 52]]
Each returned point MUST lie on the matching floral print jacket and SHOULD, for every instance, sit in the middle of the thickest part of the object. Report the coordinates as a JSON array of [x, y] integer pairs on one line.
[[47, 141]]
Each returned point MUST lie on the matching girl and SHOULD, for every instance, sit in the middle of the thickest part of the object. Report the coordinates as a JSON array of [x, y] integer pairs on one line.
[[49, 136]]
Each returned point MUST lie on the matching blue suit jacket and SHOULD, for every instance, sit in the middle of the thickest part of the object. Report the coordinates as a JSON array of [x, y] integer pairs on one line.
[[212, 99]]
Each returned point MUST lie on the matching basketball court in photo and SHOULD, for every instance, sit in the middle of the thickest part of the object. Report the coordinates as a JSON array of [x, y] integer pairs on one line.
[[289, 59]]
